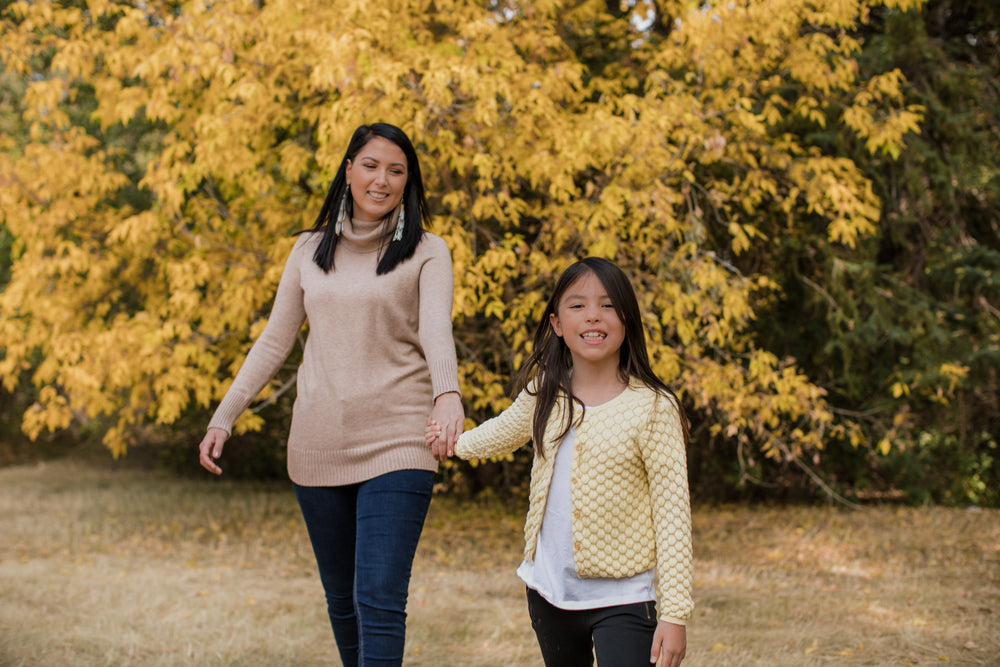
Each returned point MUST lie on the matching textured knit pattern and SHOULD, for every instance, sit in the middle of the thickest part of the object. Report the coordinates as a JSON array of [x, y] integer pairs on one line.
[[379, 350], [629, 488]]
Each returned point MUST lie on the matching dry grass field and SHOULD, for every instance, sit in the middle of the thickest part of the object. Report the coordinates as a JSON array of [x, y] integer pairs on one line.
[[112, 566]]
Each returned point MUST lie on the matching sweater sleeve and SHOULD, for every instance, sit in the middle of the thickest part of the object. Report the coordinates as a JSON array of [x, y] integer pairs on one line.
[[272, 347], [665, 459], [500, 435], [436, 294]]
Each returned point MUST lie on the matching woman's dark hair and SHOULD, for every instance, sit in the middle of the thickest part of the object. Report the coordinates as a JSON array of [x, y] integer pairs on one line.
[[546, 373], [414, 202]]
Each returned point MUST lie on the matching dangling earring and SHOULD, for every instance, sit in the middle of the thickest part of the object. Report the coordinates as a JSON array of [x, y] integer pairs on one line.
[[400, 223], [342, 214]]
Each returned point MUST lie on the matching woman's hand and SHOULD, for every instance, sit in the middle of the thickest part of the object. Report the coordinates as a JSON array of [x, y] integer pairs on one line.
[[211, 449], [448, 416], [669, 645]]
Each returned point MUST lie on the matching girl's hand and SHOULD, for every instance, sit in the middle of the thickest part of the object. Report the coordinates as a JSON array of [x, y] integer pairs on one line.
[[432, 432], [669, 645], [450, 416], [210, 449]]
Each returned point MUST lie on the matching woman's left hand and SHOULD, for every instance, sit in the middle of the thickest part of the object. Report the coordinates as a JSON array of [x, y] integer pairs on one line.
[[669, 645], [449, 415]]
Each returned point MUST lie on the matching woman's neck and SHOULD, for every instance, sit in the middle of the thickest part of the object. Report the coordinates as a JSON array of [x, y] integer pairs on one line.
[[364, 236]]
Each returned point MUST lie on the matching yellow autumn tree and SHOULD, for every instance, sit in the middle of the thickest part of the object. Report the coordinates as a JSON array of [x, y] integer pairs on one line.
[[661, 135]]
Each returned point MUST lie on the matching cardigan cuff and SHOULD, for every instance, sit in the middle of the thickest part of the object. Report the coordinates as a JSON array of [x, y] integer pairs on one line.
[[675, 621]]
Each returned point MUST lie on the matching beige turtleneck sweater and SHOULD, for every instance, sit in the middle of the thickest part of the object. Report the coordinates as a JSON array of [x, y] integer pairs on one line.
[[379, 351]]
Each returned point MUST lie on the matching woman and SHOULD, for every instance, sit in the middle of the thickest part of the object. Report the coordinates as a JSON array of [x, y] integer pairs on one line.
[[379, 359]]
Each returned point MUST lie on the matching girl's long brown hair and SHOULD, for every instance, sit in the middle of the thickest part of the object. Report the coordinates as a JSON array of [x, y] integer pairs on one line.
[[546, 372]]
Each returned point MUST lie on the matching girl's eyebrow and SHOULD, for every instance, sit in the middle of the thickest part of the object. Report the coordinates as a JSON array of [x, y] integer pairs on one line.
[[583, 296]]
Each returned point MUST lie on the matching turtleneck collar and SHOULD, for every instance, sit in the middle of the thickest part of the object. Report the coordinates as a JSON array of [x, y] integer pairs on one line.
[[363, 236]]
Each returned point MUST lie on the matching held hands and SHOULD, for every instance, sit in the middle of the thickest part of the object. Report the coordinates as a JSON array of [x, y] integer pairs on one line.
[[445, 424], [669, 645], [432, 432], [211, 449], [439, 447]]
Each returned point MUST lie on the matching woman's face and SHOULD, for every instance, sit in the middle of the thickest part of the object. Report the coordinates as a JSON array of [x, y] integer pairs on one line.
[[377, 176]]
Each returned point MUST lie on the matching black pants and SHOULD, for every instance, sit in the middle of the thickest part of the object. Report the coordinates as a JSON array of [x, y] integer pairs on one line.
[[620, 636]]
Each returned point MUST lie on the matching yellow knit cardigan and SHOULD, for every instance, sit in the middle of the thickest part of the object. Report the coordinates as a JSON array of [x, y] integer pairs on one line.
[[629, 487]]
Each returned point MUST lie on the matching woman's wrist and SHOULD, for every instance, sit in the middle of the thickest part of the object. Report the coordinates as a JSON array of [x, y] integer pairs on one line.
[[447, 393]]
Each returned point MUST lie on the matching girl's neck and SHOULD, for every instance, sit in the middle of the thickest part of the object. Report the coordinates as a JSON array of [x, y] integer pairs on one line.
[[596, 385]]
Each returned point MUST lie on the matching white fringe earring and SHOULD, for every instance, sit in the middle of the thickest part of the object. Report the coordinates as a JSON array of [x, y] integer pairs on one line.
[[400, 223], [342, 213]]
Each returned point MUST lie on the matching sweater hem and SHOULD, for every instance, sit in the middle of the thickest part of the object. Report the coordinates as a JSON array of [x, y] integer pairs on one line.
[[339, 468]]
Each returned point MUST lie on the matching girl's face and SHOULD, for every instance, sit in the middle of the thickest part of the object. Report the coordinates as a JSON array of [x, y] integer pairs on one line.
[[377, 176], [586, 320]]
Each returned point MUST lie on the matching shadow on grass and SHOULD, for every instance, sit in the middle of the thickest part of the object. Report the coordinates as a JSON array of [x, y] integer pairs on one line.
[[126, 566]]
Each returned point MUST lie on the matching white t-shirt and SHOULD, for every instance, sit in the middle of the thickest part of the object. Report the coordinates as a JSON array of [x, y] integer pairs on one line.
[[553, 573]]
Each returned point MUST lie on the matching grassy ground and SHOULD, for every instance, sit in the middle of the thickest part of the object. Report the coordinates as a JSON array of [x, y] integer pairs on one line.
[[121, 567]]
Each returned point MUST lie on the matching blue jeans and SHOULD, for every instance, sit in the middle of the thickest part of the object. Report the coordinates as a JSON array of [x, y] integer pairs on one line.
[[364, 537], [620, 636]]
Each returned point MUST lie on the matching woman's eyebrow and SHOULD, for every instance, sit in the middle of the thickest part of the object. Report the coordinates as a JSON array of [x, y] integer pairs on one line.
[[374, 159]]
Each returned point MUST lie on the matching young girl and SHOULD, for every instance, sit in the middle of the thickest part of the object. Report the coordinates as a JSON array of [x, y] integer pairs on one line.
[[608, 530]]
